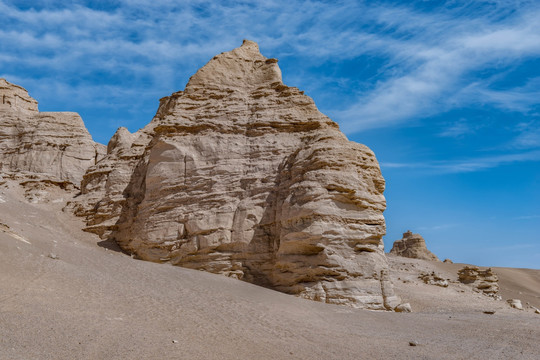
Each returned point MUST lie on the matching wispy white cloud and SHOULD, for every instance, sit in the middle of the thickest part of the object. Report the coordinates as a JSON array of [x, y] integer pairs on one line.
[[437, 227], [522, 246], [518, 98], [527, 217], [435, 64], [466, 165], [528, 136], [457, 129]]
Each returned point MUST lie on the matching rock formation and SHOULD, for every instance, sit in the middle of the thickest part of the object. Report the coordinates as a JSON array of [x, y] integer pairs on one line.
[[241, 175], [515, 303], [412, 246], [433, 278], [485, 281], [42, 146], [102, 188]]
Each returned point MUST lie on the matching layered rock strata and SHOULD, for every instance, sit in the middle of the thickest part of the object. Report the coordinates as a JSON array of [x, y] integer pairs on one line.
[[412, 246], [241, 175], [485, 281], [103, 185], [38, 146]]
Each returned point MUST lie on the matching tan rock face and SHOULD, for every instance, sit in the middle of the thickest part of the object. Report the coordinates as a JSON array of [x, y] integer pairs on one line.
[[50, 144], [102, 188], [412, 246], [15, 99], [241, 175], [485, 281]]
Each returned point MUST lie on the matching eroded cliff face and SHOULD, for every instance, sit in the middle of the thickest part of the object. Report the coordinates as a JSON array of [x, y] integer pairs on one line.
[[42, 146], [241, 175]]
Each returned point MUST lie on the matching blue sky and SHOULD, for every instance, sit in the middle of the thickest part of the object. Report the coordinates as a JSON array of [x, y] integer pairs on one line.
[[447, 94]]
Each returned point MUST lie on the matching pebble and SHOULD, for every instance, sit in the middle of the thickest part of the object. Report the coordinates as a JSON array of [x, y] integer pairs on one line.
[[413, 343]]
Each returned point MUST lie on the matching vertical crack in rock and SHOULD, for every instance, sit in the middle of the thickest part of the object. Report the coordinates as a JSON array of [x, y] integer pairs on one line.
[[240, 174]]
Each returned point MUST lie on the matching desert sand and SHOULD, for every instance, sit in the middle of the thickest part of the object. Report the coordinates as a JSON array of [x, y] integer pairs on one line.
[[66, 294]]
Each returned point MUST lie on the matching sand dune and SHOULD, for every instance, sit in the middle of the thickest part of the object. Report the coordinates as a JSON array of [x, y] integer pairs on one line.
[[65, 295]]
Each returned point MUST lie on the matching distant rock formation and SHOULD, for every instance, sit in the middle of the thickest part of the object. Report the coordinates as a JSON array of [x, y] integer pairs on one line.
[[241, 175], [485, 281], [412, 246], [433, 279], [42, 146]]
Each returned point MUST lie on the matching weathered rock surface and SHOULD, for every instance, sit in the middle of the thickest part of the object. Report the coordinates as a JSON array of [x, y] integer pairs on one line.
[[485, 281], [35, 146], [412, 246], [102, 188], [433, 278], [515, 303], [241, 175], [405, 307]]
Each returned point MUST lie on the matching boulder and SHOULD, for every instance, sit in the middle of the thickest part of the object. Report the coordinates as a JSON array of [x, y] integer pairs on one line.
[[405, 307], [515, 303]]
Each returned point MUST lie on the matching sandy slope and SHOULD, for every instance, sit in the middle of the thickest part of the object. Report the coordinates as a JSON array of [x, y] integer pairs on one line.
[[95, 303]]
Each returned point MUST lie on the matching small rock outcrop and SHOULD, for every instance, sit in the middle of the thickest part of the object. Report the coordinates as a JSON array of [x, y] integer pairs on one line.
[[240, 174], [485, 281], [412, 246], [433, 279], [515, 303], [35, 146]]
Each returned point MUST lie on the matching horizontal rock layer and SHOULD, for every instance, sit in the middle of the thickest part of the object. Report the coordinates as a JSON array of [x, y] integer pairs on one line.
[[485, 281], [412, 246]]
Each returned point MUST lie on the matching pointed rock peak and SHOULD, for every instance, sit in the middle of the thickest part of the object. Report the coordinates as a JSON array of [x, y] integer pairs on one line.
[[243, 67], [121, 139], [15, 98], [250, 44]]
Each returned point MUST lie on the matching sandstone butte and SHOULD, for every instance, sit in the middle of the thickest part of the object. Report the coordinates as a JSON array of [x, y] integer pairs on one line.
[[412, 246], [238, 175]]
